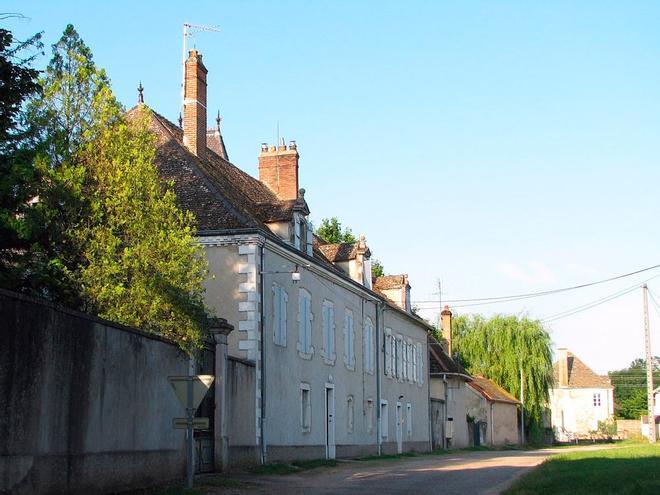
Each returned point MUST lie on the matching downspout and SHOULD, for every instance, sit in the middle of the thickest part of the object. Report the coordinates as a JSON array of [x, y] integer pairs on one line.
[[492, 426], [378, 406], [445, 440], [428, 390], [262, 419]]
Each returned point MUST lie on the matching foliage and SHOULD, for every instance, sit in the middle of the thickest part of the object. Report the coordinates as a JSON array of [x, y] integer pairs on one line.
[[630, 389], [607, 427], [18, 81], [623, 470], [104, 233], [331, 231], [377, 269], [143, 267], [499, 347]]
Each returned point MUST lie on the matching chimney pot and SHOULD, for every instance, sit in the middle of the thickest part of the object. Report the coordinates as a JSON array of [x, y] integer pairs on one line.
[[278, 169], [264, 147], [292, 145]]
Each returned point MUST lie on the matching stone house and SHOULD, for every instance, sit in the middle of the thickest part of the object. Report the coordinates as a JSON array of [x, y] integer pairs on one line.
[[449, 427], [580, 398], [321, 363], [494, 412]]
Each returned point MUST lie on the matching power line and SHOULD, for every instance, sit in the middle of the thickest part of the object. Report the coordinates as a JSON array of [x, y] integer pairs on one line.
[[593, 304], [515, 297]]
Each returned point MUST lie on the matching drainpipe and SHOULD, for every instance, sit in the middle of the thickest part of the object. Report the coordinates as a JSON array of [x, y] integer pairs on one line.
[[445, 440], [492, 426], [378, 406], [262, 419]]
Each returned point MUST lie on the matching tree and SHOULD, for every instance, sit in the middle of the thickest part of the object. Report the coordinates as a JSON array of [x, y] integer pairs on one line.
[[105, 233], [499, 347], [331, 231], [377, 269], [143, 266], [630, 400], [18, 81]]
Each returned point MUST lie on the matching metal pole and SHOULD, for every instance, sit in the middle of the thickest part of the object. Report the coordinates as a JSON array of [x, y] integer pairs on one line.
[[649, 367], [522, 407]]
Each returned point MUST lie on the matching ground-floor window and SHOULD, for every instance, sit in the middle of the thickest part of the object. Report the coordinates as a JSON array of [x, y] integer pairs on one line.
[[305, 408], [384, 419]]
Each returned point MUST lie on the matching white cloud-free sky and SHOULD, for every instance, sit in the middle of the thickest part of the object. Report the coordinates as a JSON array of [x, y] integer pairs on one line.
[[501, 147]]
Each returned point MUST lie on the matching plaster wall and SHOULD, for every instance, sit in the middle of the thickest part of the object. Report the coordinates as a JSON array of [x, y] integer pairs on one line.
[[86, 406], [573, 410]]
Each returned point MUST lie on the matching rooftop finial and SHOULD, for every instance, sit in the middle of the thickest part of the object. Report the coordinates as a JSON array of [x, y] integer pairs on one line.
[[217, 120], [140, 95], [180, 121]]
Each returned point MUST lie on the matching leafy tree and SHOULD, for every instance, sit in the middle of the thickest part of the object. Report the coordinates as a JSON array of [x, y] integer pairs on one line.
[[331, 231], [143, 266], [104, 232], [499, 347], [630, 388], [18, 81], [377, 269]]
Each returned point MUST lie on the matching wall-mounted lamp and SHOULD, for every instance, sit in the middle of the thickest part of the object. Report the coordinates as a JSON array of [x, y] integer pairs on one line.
[[295, 275]]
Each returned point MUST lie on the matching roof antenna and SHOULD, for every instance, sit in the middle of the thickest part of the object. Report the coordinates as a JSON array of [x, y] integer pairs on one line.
[[188, 31]]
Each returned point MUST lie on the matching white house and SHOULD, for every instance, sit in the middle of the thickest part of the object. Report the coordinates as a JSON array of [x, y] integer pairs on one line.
[[321, 364], [579, 399]]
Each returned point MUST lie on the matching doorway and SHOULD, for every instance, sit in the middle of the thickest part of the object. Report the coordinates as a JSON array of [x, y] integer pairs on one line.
[[329, 421], [399, 428]]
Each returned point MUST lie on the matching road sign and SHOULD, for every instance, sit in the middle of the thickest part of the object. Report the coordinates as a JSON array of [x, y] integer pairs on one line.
[[200, 385], [198, 423]]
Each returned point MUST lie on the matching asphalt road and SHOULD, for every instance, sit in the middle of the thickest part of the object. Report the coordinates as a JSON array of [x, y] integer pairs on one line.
[[463, 473]]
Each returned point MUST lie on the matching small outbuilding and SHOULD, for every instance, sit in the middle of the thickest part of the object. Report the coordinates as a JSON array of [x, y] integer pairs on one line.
[[493, 412]]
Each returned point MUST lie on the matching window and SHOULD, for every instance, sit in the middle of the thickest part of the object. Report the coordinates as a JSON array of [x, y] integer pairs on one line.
[[305, 348], [367, 273], [388, 352], [596, 400], [370, 415], [296, 231], [309, 239], [305, 408], [368, 346], [349, 333], [280, 299], [409, 419], [350, 414], [384, 419], [329, 332], [399, 357], [420, 364]]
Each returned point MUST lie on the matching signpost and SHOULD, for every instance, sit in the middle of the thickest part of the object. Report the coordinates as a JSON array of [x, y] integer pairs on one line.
[[190, 390]]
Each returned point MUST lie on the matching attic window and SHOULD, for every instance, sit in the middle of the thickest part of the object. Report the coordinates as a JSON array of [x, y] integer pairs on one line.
[[596, 400]]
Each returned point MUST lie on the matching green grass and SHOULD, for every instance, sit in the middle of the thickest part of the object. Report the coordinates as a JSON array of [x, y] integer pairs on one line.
[[627, 470], [220, 481], [315, 463]]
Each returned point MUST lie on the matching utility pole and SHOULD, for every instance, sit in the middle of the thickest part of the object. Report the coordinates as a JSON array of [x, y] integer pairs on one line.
[[649, 367], [522, 406]]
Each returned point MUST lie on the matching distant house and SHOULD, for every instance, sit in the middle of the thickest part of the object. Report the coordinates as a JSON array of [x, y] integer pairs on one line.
[[580, 398], [449, 428], [656, 401], [494, 412]]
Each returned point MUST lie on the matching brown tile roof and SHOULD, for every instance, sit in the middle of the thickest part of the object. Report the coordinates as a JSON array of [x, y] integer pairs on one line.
[[344, 251], [219, 194], [440, 362], [390, 282], [491, 391], [580, 375], [215, 142]]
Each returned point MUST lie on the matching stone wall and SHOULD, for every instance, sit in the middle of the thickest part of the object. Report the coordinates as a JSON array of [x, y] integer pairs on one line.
[[85, 404]]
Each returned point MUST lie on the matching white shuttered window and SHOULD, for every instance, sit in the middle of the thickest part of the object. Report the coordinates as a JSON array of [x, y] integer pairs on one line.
[[329, 332], [280, 299], [305, 324], [349, 344]]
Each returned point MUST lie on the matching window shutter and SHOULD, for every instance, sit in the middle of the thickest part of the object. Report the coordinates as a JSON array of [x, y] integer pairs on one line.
[[420, 363], [388, 354], [282, 325]]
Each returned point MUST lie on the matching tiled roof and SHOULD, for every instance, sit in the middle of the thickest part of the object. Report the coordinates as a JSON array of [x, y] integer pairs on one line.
[[215, 143], [344, 251], [580, 375], [491, 391], [390, 282], [439, 360], [219, 194]]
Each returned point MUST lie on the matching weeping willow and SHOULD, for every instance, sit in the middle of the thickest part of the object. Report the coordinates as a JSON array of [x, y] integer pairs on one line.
[[499, 347]]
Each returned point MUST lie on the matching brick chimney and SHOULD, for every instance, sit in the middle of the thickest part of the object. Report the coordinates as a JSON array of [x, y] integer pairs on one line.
[[278, 169], [194, 105], [445, 323], [562, 363]]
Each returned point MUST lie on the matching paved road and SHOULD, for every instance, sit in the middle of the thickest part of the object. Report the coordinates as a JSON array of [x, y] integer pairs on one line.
[[464, 473]]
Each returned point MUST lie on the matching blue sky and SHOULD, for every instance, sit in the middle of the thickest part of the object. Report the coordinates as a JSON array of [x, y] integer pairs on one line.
[[503, 147]]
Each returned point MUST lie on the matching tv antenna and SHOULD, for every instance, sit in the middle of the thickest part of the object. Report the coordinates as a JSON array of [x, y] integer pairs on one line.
[[189, 30]]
